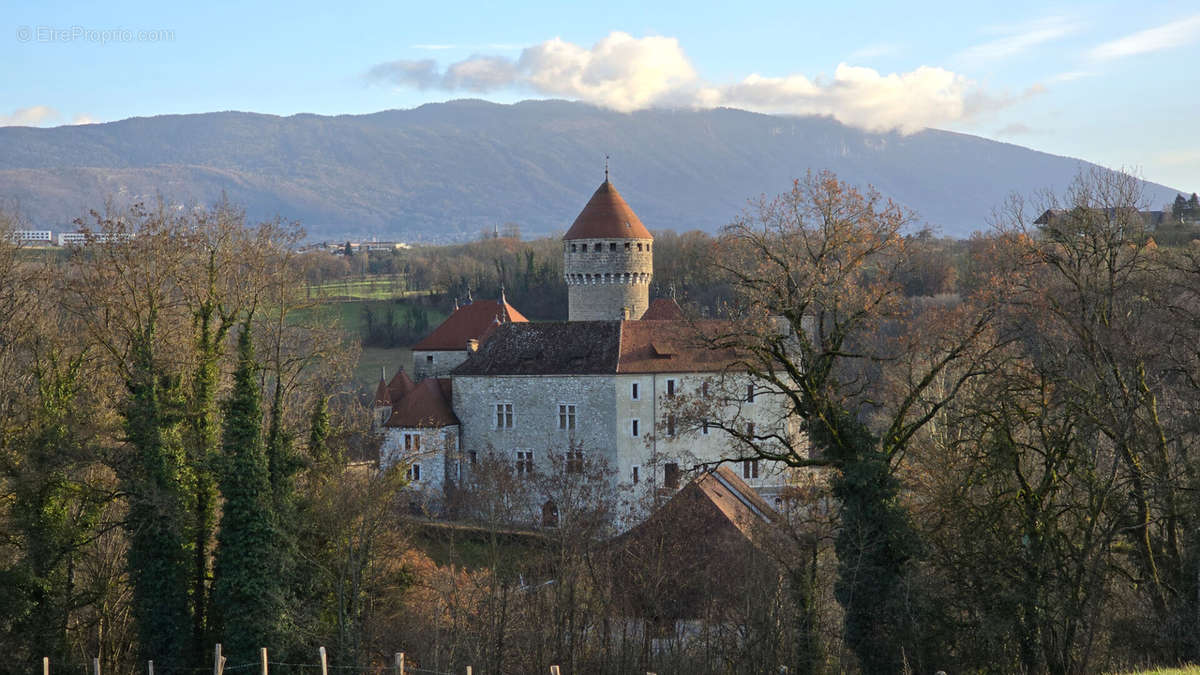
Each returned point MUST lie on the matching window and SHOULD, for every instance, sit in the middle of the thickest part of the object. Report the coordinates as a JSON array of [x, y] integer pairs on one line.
[[671, 475], [572, 248], [633, 391], [670, 425], [429, 359], [639, 245], [524, 462], [412, 442], [750, 429], [749, 468], [473, 457], [504, 416], [750, 393], [598, 247], [626, 246], [635, 475], [575, 461], [704, 389], [413, 473], [670, 388], [566, 417], [704, 427], [612, 246], [634, 428], [549, 516]]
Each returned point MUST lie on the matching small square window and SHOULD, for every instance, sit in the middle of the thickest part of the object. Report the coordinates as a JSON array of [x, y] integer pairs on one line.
[[671, 475], [634, 428], [575, 461], [670, 388], [635, 475], [566, 417], [612, 246], [504, 416], [524, 462], [750, 468], [626, 246], [633, 391], [639, 245], [573, 248], [429, 358], [414, 473], [704, 389]]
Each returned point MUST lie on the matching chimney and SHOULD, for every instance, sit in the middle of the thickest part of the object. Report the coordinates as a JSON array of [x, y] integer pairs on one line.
[[624, 313], [472, 345]]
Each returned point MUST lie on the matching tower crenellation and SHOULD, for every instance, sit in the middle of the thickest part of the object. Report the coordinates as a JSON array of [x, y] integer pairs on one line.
[[608, 260]]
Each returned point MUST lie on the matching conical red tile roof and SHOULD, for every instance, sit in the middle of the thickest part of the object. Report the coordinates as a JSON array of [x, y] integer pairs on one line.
[[469, 322], [400, 386], [607, 216]]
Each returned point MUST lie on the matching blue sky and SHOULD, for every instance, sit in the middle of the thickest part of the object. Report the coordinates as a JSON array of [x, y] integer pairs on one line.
[[1111, 82]]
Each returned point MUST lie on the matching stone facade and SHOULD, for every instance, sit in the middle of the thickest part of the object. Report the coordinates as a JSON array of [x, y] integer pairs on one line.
[[607, 278], [430, 458], [436, 363]]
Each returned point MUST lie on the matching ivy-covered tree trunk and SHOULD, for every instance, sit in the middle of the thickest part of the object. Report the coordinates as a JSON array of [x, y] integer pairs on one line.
[[157, 557], [246, 592]]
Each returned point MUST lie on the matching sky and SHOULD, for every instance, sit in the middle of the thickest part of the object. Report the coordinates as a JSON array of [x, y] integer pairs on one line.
[[1114, 83]]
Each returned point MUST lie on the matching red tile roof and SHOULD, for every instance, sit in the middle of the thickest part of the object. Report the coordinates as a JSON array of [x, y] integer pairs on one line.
[[607, 216], [671, 347], [425, 407], [399, 387], [469, 322], [382, 395], [663, 309]]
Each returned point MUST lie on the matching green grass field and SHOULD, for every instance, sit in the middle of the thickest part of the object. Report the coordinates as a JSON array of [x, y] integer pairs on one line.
[[366, 373], [1182, 670], [373, 287]]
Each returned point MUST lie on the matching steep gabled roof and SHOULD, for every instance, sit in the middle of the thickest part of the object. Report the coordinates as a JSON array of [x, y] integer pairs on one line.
[[382, 396], [663, 309], [425, 407], [399, 387], [469, 322], [607, 216]]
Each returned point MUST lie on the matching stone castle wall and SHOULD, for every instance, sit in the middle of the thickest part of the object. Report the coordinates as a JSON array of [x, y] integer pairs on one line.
[[605, 276]]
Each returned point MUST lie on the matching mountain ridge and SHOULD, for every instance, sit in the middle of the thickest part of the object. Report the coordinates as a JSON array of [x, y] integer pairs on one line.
[[444, 171]]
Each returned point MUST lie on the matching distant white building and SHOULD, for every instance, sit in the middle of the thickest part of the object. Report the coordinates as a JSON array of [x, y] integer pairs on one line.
[[33, 236], [79, 239]]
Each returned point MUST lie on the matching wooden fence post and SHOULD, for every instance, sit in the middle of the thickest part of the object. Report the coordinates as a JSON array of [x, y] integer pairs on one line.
[[555, 670], [468, 670], [45, 665], [399, 663], [96, 666], [264, 660], [324, 662], [150, 667]]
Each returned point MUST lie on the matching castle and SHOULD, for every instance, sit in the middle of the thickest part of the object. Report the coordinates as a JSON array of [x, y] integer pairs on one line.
[[603, 386]]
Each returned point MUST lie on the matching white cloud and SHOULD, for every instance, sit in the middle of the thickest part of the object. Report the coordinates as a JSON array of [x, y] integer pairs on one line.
[[29, 117], [1166, 36], [1069, 76], [1020, 39], [84, 118], [860, 97], [627, 73]]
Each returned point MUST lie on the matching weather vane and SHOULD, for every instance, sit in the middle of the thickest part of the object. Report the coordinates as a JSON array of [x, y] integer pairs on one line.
[[606, 167]]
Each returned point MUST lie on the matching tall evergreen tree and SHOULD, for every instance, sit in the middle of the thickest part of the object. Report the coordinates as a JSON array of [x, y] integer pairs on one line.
[[246, 594], [157, 556]]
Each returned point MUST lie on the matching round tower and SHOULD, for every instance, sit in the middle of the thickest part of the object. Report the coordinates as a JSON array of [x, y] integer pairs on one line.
[[608, 260]]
